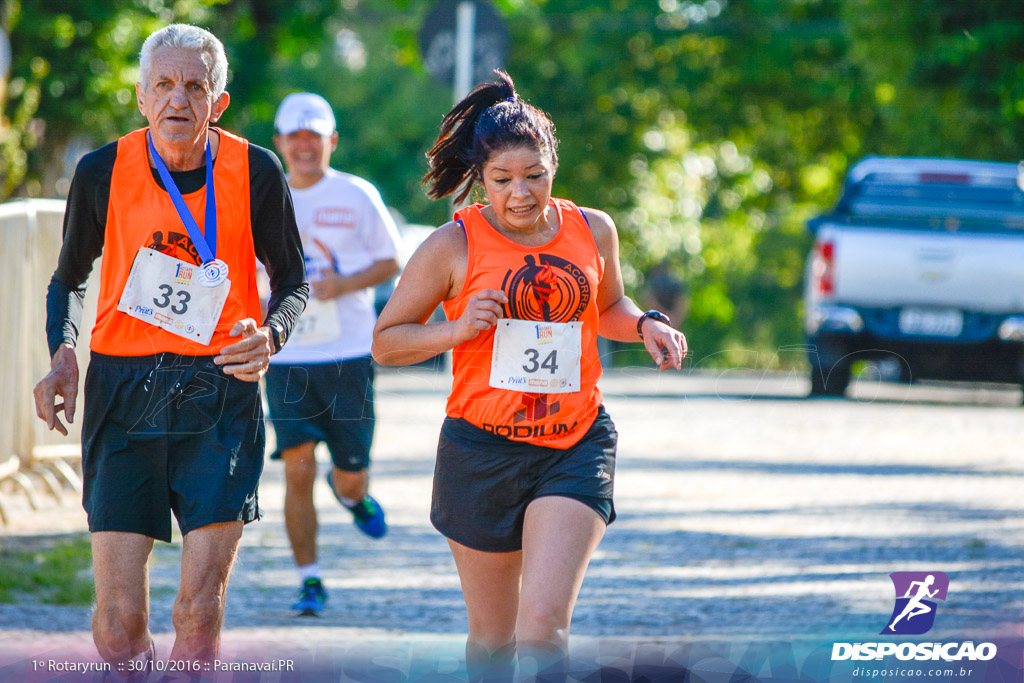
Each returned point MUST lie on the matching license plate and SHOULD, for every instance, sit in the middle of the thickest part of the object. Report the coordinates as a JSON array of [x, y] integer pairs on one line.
[[932, 322]]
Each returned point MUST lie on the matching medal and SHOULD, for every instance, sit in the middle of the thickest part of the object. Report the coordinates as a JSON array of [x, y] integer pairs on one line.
[[212, 273]]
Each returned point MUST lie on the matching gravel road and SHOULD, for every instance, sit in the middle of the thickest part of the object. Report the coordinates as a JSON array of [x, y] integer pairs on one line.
[[745, 512]]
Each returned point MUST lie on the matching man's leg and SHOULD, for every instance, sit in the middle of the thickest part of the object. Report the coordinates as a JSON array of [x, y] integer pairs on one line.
[[349, 441], [299, 511], [120, 622], [206, 558], [351, 486], [351, 490], [301, 522]]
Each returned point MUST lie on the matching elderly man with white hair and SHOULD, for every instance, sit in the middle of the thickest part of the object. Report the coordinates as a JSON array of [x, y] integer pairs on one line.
[[180, 211]]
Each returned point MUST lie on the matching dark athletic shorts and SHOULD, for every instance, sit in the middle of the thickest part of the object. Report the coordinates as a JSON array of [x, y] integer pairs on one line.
[[168, 433], [329, 402], [484, 482]]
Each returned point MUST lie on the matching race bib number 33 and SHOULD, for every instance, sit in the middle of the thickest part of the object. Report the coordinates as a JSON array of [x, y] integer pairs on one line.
[[536, 357], [166, 292]]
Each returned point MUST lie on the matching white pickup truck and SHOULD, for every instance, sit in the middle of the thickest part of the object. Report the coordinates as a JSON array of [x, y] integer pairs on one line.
[[920, 266]]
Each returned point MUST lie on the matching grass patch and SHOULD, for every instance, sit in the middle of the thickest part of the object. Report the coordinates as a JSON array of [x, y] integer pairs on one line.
[[55, 576]]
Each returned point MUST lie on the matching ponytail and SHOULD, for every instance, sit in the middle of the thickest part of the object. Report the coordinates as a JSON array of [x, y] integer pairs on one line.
[[489, 118]]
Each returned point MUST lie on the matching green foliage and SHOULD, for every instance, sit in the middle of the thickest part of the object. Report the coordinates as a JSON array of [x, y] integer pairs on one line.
[[709, 129], [56, 576], [947, 78], [709, 139]]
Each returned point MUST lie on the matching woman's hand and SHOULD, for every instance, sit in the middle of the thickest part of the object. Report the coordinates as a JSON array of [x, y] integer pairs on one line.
[[666, 345], [481, 314]]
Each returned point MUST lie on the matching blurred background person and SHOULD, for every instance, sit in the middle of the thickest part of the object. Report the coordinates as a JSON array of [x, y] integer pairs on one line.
[[320, 389]]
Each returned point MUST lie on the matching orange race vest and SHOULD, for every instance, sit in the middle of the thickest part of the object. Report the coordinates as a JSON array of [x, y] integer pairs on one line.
[[141, 214], [556, 282]]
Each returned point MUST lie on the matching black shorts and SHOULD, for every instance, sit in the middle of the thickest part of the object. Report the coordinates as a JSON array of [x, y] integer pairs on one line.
[[168, 433], [484, 482], [329, 402]]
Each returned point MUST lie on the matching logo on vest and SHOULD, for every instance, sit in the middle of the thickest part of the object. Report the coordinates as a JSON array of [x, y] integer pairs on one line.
[[547, 288], [175, 245]]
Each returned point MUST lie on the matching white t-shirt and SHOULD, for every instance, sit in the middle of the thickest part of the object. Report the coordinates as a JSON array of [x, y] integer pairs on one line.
[[345, 227]]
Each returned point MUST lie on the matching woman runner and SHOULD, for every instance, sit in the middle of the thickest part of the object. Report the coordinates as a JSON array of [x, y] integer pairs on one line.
[[525, 461]]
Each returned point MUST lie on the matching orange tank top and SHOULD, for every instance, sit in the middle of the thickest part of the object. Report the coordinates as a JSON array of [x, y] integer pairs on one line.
[[555, 282], [141, 214]]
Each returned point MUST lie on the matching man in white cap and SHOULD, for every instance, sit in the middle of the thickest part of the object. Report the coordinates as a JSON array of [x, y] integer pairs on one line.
[[320, 389]]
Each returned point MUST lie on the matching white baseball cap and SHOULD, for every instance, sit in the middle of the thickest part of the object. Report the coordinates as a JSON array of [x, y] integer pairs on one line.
[[305, 111]]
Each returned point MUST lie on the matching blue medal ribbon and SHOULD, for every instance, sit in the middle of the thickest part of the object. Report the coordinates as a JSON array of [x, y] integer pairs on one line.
[[206, 244]]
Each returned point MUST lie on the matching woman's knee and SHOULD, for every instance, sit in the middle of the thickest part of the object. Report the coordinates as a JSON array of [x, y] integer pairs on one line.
[[543, 624], [490, 640]]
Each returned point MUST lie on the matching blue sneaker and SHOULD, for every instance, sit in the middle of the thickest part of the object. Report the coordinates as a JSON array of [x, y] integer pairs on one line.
[[312, 597], [367, 513]]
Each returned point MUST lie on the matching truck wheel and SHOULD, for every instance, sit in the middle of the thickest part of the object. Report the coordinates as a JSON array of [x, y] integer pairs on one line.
[[830, 381]]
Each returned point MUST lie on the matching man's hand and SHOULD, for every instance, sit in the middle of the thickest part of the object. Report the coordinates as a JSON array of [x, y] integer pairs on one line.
[[62, 380], [247, 359], [330, 287], [333, 285]]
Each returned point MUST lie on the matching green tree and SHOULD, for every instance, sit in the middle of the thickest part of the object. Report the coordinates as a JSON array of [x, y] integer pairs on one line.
[[946, 78], [73, 73], [709, 129]]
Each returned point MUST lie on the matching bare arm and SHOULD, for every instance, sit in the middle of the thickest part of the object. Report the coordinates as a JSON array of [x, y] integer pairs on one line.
[[62, 380], [619, 315], [335, 285], [434, 274]]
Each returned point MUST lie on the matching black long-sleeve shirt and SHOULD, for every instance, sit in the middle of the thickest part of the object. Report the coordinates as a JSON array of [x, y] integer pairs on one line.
[[274, 234]]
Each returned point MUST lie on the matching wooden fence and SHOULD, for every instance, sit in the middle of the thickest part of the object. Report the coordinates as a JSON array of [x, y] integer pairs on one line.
[[35, 463]]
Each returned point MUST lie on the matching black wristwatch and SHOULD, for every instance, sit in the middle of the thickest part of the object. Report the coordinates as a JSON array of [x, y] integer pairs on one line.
[[655, 315], [279, 336]]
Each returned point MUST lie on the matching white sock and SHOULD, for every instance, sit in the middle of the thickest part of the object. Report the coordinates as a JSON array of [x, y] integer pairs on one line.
[[348, 502], [310, 571]]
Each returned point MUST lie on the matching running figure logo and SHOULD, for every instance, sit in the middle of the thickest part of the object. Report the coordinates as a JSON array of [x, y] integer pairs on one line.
[[546, 288], [176, 245], [916, 592]]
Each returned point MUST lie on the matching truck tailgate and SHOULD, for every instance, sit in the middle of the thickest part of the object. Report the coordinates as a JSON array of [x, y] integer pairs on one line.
[[883, 267]]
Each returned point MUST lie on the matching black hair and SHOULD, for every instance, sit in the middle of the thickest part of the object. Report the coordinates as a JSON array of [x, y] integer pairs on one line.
[[488, 119]]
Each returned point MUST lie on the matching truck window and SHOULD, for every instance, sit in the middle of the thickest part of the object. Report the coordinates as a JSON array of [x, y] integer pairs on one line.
[[999, 201]]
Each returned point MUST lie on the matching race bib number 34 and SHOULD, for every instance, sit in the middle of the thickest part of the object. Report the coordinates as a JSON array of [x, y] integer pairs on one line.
[[537, 357], [166, 292]]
